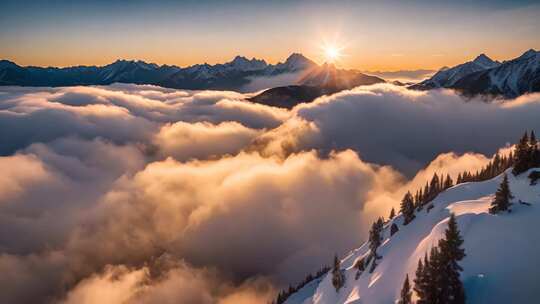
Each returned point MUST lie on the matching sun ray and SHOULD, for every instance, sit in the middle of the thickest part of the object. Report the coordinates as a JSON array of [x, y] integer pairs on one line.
[[332, 53]]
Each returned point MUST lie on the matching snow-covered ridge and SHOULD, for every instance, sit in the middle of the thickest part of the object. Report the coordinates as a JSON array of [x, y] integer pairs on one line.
[[484, 76], [503, 250], [447, 77]]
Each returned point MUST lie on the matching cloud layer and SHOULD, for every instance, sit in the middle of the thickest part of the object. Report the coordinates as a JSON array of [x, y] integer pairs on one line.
[[405, 129], [136, 190]]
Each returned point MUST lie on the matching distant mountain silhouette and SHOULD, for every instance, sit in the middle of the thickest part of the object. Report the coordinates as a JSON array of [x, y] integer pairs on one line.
[[288, 96], [228, 76], [317, 81]]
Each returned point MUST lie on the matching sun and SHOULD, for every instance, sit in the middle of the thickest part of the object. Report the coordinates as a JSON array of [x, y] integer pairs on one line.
[[332, 53]]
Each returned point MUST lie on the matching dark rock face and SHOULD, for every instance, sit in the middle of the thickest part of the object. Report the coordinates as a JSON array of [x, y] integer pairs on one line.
[[318, 81], [289, 96]]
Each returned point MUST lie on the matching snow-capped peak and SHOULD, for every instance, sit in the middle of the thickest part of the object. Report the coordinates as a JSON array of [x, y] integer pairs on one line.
[[7, 63], [447, 77], [485, 62], [297, 61], [528, 54], [243, 64]]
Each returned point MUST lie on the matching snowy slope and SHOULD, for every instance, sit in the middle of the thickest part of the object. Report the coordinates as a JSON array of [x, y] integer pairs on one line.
[[503, 251]]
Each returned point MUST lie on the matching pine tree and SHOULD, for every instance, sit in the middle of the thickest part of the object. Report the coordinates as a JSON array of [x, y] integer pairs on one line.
[[448, 183], [426, 194], [338, 278], [420, 282], [416, 200], [434, 186], [392, 213], [502, 197], [375, 238], [521, 155], [534, 153], [459, 179], [497, 165], [451, 288], [406, 293], [393, 229], [407, 208], [360, 266], [427, 278], [435, 276], [420, 199]]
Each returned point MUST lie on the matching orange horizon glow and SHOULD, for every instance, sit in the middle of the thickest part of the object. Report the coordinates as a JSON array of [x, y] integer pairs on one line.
[[377, 36], [364, 61]]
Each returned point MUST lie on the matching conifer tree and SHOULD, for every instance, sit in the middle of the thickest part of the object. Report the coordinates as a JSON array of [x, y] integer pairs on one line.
[[502, 197], [451, 289], [521, 155], [392, 213], [438, 277], [375, 237], [393, 229], [360, 266], [425, 283], [534, 153], [407, 208], [338, 278], [448, 183], [459, 180], [406, 294], [421, 282], [426, 192], [434, 186], [435, 275], [497, 165], [452, 242]]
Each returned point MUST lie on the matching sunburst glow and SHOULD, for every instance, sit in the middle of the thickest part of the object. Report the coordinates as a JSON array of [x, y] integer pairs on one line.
[[332, 53]]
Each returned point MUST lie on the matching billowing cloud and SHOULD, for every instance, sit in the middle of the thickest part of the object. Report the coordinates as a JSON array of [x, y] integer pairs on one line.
[[168, 206], [177, 283], [203, 140], [158, 195], [265, 82], [403, 75], [121, 113], [406, 129]]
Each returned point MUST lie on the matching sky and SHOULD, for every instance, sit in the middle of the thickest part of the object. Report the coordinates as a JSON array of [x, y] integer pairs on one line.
[[373, 35]]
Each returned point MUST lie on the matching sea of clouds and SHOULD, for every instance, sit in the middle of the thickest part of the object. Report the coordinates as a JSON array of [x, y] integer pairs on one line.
[[140, 194]]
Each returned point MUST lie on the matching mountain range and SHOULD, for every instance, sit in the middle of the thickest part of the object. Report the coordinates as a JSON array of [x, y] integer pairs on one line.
[[481, 76], [227, 76], [486, 77], [309, 82]]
